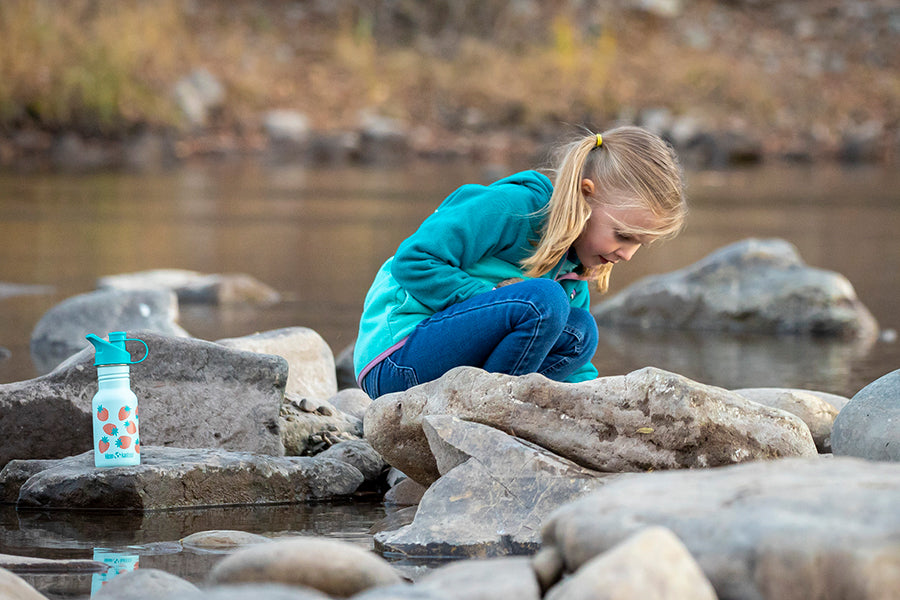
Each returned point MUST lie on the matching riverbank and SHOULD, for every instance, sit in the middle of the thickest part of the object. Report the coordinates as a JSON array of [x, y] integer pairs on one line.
[[361, 82]]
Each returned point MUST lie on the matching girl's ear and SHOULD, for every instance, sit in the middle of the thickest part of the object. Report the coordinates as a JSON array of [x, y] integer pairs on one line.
[[587, 188]]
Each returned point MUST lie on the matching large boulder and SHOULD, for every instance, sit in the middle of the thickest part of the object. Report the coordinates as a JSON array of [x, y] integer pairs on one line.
[[179, 478], [648, 419], [869, 425], [787, 529], [192, 287], [493, 496], [60, 332], [760, 286], [191, 394]]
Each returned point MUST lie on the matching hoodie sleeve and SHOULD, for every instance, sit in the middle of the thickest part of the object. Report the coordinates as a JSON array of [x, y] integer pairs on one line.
[[472, 223]]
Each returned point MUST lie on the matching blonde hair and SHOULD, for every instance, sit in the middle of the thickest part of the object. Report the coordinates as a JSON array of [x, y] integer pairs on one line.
[[629, 160]]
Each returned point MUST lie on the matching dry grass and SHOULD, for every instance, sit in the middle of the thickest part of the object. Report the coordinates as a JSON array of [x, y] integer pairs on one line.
[[108, 65]]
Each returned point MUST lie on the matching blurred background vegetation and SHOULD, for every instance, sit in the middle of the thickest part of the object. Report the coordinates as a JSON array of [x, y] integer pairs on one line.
[[791, 73]]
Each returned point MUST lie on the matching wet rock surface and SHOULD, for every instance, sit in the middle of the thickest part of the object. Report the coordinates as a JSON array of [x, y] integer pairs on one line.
[[177, 478]]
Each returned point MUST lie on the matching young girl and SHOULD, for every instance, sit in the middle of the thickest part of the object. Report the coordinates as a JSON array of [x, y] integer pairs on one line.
[[497, 277]]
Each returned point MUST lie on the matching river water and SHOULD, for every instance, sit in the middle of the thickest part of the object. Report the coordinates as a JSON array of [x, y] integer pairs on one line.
[[319, 235]]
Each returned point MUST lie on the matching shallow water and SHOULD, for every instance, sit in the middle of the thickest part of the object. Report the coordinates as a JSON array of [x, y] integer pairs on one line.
[[318, 236]]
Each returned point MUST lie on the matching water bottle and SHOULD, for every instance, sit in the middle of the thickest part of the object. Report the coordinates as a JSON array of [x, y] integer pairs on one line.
[[117, 440]]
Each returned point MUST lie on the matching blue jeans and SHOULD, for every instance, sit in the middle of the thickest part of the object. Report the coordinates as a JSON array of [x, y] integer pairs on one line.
[[526, 327]]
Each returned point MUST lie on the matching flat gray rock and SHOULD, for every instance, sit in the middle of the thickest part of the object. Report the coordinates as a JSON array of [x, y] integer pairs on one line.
[[60, 331], [648, 419], [786, 529], [493, 495], [869, 425], [753, 285], [191, 394], [179, 478], [192, 287]]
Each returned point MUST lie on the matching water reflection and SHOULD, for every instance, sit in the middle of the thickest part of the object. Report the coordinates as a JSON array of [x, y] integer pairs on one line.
[[738, 360]]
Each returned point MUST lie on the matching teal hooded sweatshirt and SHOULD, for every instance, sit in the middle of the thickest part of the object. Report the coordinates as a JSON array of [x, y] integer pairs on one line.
[[477, 238]]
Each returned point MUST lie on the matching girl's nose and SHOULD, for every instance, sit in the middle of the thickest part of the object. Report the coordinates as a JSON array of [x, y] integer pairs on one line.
[[626, 252]]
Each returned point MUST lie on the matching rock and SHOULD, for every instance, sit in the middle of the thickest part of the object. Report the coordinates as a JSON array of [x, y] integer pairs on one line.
[[264, 591], [178, 478], [405, 493], [192, 287], [648, 419], [222, 540], [310, 427], [361, 455], [343, 364], [651, 564], [287, 128], [400, 592], [199, 96], [869, 425], [815, 410], [16, 473], [751, 286], [383, 140], [489, 579], [784, 529], [71, 152], [351, 401], [335, 568], [491, 505], [8, 290], [15, 588], [191, 394], [310, 362], [144, 583], [60, 332], [26, 564]]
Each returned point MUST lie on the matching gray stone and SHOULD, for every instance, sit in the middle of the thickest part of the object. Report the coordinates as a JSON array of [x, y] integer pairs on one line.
[[361, 455], [143, 583], [192, 287], [286, 127], [336, 568], [343, 364], [311, 371], [815, 408], [648, 419], [406, 492], [8, 290], [309, 427], [16, 588], [27, 564], [178, 478], [783, 529], [262, 591], [493, 496], [651, 564], [191, 394], [198, 96], [760, 286], [222, 540], [351, 401], [487, 579], [401, 592], [60, 332], [869, 426]]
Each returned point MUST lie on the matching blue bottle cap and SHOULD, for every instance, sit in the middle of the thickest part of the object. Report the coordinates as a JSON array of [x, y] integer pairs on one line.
[[113, 352]]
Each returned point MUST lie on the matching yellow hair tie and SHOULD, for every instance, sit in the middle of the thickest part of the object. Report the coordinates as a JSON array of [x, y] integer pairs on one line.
[[599, 140]]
